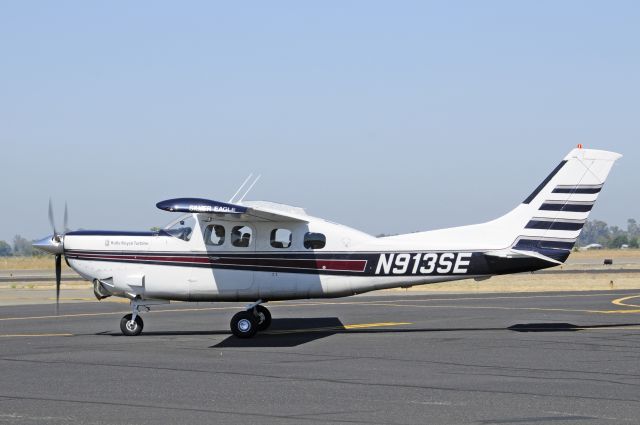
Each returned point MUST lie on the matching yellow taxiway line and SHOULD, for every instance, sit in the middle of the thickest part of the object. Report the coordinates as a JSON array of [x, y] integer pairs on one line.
[[621, 301], [337, 328], [111, 313], [30, 335], [380, 303], [375, 325]]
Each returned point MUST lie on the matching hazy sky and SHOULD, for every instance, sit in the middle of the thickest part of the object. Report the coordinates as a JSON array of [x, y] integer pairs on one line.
[[386, 116]]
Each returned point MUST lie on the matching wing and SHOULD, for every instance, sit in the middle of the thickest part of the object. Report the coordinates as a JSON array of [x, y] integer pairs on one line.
[[248, 211]]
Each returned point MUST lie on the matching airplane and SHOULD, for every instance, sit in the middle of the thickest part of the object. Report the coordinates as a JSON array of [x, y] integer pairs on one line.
[[256, 251]]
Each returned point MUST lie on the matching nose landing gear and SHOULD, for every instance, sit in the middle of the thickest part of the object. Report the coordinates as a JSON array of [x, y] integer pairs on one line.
[[246, 324], [131, 326]]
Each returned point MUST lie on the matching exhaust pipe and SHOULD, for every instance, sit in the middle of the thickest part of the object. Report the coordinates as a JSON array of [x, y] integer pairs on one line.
[[99, 290]]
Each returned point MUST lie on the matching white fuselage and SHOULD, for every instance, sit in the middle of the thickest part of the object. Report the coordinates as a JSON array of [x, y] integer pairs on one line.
[[161, 266]]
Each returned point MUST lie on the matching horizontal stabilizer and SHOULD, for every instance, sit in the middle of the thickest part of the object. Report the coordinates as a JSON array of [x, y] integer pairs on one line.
[[516, 253]]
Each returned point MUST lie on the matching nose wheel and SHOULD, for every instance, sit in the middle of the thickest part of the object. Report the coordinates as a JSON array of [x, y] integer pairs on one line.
[[131, 326], [246, 324]]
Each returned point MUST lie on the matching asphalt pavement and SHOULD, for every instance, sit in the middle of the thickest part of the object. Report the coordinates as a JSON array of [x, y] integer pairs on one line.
[[559, 358]]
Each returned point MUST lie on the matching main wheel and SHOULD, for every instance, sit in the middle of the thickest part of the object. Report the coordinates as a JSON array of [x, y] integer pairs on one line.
[[131, 327], [244, 324], [264, 317]]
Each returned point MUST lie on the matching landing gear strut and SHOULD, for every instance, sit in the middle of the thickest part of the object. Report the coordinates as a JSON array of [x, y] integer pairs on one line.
[[256, 317]]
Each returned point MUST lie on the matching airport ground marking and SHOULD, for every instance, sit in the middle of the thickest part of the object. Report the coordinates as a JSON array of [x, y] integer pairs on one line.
[[337, 328], [111, 313], [612, 328], [375, 325], [462, 307], [31, 335], [621, 301], [380, 303]]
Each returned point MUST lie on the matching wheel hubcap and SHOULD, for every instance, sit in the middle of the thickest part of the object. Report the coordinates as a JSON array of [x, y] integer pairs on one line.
[[132, 325], [244, 325]]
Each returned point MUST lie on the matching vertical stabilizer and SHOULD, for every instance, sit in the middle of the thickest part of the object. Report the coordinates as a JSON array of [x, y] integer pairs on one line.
[[560, 205]]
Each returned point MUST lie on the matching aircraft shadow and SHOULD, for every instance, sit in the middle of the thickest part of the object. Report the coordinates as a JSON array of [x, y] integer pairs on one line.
[[293, 332], [288, 333]]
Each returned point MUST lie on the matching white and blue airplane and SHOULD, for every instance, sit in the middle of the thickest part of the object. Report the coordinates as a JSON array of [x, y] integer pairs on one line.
[[262, 251]]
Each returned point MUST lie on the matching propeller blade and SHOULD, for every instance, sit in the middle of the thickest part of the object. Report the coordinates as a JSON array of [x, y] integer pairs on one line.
[[58, 278], [51, 220], [66, 219]]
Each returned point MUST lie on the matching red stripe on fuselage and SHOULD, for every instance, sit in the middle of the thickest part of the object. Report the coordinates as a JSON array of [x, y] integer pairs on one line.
[[295, 263]]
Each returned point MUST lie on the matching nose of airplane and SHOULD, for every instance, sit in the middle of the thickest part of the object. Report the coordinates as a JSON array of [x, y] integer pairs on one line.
[[50, 245]]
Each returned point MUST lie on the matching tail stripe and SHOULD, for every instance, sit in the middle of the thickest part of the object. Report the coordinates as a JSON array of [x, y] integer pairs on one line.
[[551, 224], [567, 206], [535, 244], [578, 189], [544, 183]]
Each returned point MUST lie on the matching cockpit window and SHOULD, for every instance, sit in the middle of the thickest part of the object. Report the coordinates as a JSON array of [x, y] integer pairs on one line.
[[241, 236], [314, 240], [281, 238], [182, 229], [214, 235]]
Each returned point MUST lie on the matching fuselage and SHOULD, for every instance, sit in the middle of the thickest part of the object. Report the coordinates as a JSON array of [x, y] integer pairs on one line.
[[223, 260]]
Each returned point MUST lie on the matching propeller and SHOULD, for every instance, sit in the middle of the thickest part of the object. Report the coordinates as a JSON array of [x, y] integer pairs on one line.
[[58, 279], [55, 245]]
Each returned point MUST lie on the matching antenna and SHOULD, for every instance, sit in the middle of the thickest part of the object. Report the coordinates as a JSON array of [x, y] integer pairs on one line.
[[240, 188], [250, 187]]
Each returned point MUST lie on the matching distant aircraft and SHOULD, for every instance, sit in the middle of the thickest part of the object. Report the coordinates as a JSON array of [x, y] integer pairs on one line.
[[591, 246], [263, 251]]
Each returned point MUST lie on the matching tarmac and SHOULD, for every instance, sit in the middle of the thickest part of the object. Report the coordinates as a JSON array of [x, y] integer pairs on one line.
[[415, 358]]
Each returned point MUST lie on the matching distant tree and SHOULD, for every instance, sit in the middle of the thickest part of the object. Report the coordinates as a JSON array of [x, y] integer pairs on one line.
[[5, 249], [155, 229], [595, 231], [633, 230], [633, 243], [618, 241], [22, 246], [615, 231]]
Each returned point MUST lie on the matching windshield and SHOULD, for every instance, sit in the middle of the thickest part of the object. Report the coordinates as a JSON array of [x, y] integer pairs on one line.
[[182, 229]]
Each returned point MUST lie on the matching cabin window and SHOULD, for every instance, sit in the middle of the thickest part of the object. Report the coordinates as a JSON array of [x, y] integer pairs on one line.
[[214, 235], [182, 229], [281, 238], [314, 240], [241, 236]]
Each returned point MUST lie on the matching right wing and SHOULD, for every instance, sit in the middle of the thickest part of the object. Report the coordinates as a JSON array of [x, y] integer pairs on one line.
[[248, 211]]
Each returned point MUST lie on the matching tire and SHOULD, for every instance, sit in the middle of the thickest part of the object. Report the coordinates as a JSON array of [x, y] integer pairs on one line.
[[244, 324], [264, 317], [131, 327]]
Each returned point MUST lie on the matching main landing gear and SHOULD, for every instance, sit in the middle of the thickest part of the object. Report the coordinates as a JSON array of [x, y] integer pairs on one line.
[[255, 318]]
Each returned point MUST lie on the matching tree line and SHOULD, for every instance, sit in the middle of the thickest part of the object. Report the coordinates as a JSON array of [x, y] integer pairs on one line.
[[594, 231], [21, 247], [597, 231]]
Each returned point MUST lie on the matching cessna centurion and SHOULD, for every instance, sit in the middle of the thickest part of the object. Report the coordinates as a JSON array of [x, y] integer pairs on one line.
[[263, 251]]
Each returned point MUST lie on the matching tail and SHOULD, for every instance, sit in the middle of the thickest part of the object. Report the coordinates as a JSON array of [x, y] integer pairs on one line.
[[551, 218], [545, 226]]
